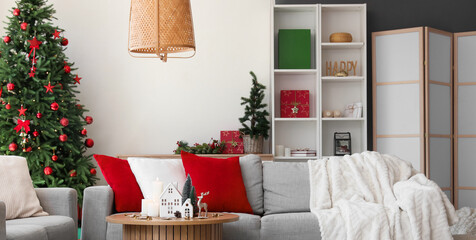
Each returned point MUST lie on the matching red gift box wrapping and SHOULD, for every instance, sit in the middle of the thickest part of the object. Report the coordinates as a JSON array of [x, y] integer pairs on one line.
[[233, 142], [295, 103]]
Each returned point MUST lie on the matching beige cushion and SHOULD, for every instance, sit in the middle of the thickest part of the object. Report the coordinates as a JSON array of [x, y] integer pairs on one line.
[[16, 189]]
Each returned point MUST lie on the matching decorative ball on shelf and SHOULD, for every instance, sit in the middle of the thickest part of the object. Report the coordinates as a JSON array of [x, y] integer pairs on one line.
[[327, 114], [48, 170], [54, 106], [63, 137], [64, 122], [89, 143], [337, 113], [67, 69], [39, 115], [24, 26], [7, 39], [16, 12], [72, 173], [89, 119], [54, 158], [10, 86], [84, 132], [92, 171], [64, 42], [36, 134], [12, 147], [8, 106]]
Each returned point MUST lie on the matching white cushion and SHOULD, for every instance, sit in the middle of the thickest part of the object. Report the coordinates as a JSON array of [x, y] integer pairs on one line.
[[146, 170], [16, 189]]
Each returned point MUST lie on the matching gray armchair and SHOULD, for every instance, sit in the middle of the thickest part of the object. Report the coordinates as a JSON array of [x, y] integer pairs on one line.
[[61, 224]]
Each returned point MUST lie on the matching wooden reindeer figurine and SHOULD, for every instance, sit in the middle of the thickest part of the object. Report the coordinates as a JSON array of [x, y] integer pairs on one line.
[[202, 205]]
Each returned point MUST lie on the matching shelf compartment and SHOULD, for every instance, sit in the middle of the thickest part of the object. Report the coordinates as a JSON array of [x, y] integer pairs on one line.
[[295, 82], [302, 134], [343, 79], [295, 119], [344, 45], [343, 18], [356, 129], [348, 56], [295, 71], [337, 95], [343, 119]]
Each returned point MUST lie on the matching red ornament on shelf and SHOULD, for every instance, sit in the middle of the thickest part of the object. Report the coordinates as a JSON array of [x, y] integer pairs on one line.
[[84, 132], [89, 119], [7, 39], [48, 170], [36, 134], [89, 143], [93, 171], [54, 106], [72, 173], [8, 106], [12, 147], [63, 137], [24, 26], [67, 69], [54, 158], [64, 122], [10, 86], [64, 42], [39, 115], [16, 12]]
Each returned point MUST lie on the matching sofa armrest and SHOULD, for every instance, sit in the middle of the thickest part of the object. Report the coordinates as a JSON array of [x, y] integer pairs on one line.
[[59, 201], [3, 230], [98, 203]]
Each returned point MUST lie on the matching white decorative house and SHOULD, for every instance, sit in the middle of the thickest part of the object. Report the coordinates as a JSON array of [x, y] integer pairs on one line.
[[170, 201], [187, 209]]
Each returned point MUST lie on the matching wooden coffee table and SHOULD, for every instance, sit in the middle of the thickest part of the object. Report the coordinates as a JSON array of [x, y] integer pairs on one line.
[[158, 229]]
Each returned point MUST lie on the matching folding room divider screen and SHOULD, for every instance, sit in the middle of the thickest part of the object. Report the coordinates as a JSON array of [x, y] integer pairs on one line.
[[413, 102]]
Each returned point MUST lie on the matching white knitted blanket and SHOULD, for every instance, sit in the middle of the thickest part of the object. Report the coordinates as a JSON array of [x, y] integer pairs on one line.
[[373, 196]]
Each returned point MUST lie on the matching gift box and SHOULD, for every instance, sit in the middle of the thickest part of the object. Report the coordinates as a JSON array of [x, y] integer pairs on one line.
[[295, 103], [233, 142], [294, 49]]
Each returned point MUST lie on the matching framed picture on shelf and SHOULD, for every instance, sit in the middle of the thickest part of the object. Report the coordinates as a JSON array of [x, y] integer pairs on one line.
[[342, 143]]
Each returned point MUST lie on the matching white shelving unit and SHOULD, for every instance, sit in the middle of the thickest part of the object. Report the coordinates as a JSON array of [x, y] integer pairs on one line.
[[326, 92]]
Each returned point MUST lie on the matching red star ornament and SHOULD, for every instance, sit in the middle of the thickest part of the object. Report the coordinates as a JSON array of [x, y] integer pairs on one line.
[[77, 78], [34, 43], [56, 34], [22, 111], [49, 88], [31, 74]]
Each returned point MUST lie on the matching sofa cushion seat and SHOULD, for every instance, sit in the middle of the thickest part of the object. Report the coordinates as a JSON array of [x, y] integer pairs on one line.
[[56, 227], [26, 232], [247, 227], [290, 226]]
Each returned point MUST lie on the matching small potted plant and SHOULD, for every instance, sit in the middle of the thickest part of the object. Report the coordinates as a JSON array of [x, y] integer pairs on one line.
[[255, 122]]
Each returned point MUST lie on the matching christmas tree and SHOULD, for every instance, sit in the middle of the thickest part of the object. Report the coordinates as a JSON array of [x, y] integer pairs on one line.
[[254, 113], [41, 118]]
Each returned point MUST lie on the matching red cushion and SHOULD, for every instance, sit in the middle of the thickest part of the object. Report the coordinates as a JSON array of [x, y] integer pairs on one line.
[[222, 177], [118, 174]]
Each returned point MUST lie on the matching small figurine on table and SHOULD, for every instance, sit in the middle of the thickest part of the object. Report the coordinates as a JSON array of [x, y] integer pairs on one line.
[[202, 205]]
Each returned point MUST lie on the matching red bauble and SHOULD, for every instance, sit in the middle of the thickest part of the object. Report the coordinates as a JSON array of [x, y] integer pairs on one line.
[[72, 173], [64, 42], [78, 106], [8, 106], [84, 132], [64, 122], [16, 12], [10, 86], [67, 69], [63, 137], [12, 147], [89, 143], [48, 170], [54, 158], [54, 106], [36, 134], [93, 171], [28, 149], [39, 115], [89, 119], [7, 39], [23, 26]]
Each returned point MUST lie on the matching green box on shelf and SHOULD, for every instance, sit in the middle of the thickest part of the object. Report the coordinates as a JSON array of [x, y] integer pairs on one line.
[[294, 49]]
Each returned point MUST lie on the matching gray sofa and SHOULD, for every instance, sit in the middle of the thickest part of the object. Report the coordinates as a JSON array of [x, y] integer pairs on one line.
[[61, 224], [278, 193]]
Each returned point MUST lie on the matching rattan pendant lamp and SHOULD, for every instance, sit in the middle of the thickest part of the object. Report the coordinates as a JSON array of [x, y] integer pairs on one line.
[[161, 29]]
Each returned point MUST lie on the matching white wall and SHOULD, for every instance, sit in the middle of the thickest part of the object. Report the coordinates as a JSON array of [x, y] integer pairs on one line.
[[143, 106]]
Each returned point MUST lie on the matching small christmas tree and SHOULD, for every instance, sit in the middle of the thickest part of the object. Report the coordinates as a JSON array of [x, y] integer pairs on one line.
[[41, 118], [254, 112]]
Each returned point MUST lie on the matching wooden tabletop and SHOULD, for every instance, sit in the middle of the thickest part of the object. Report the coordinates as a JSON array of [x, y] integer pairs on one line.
[[125, 219]]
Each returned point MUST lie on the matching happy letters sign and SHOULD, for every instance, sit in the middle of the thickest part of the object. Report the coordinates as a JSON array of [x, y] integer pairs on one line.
[[333, 67]]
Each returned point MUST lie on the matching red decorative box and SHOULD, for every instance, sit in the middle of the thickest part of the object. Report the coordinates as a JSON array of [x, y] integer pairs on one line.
[[233, 142], [295, 103]]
